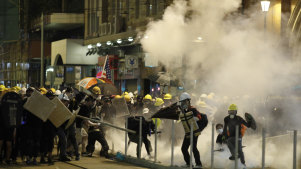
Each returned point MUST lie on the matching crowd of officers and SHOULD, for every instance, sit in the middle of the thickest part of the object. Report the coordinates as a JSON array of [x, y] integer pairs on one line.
[[36, 138]]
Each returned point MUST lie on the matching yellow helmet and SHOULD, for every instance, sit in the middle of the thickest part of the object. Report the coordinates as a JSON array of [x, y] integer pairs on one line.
[[43, 90], [53, 90], [96, 90], [232, 107], [167, 96], [17, 88], [202, 104], [159, 102], [148, 97], [127, 98], [13, 89], [2, 88], [117, 97], [124, 93]]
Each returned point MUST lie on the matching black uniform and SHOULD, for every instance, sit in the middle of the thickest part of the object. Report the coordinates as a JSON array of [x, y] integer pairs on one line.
[[229, 133], [71, 132], [95, 133], [84, 111], [133, 124], [33, 132], [219, 139]]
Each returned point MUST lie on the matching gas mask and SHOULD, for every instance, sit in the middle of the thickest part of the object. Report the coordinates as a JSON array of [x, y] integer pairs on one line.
[[232, 116], [185, 104]]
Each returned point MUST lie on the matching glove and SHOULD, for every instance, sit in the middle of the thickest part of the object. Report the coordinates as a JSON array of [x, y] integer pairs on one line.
[[223, 138]]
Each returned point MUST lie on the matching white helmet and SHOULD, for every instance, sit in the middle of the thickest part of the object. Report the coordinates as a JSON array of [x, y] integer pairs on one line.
[[145, 110], [63, 96], [184, 96], [22, 91], [131, 95], [57, 92]]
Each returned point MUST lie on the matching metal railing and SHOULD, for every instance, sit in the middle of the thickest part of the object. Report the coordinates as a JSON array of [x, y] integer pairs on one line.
[[237, 139]]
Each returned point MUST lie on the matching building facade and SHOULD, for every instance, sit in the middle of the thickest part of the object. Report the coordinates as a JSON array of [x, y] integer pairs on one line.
[[112, 26]]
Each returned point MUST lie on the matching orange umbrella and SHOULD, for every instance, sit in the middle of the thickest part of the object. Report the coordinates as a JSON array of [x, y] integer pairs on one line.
[[89, 81]]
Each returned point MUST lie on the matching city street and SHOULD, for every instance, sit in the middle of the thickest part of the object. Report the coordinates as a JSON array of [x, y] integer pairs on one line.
[[162, 84], [83, 163]]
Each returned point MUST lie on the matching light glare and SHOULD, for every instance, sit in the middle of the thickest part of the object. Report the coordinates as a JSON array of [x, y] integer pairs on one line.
[[119, 41], [130, 39], [265, 6]]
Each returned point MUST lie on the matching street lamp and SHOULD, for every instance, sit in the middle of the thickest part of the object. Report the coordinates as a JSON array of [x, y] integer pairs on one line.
[[265, 8]]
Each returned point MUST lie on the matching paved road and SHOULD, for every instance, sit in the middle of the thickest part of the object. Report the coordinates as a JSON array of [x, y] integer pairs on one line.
[[84, 163]]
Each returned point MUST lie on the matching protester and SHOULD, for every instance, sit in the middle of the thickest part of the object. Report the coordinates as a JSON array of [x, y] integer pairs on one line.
[[62, 133], [230, 123], [95, 133], [48, 134], [219, 139], [191, 115]]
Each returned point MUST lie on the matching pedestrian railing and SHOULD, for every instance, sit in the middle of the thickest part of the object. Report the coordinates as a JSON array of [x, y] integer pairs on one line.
[[263, 154]]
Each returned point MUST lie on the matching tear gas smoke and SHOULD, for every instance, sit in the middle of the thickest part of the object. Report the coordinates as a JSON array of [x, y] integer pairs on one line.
[[230, 54]]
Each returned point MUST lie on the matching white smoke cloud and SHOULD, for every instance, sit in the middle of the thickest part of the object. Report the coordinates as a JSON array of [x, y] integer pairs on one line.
[[234, 58]]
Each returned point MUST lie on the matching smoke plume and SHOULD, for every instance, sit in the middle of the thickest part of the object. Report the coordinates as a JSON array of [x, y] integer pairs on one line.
[[230, 54]]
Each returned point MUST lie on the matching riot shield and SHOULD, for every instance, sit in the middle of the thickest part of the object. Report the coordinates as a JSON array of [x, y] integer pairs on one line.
[[249, 118], [171, 112], [121, 107], [72, 119], [60, 114], [39, 105], [11, 109]]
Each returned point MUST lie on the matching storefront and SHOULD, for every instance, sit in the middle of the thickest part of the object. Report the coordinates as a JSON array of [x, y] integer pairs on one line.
[[69, 63]]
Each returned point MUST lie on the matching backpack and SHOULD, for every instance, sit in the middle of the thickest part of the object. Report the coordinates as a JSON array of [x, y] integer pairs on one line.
[[203, 121]]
